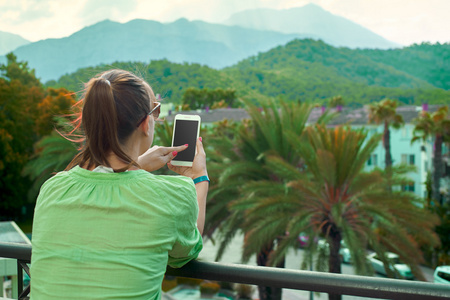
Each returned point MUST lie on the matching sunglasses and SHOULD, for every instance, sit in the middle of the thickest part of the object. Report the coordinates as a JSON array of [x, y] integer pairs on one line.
[[155, 111]]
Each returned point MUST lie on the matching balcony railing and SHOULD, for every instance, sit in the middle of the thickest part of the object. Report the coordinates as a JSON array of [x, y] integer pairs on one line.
[[369, 287]]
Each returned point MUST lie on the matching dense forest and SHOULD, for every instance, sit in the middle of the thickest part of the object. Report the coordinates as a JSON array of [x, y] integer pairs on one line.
[[425, 61], [303, 70]]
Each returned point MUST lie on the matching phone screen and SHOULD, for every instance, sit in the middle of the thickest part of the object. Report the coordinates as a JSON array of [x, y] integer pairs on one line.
[[186, 133]]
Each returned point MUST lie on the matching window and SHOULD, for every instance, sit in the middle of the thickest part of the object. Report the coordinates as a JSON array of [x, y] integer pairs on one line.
[[443, 275], [404, 132], [373, 160], [408, 187], [408, 159]]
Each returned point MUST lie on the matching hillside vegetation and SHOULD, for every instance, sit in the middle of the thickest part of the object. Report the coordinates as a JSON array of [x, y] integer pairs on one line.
[[302, 70]]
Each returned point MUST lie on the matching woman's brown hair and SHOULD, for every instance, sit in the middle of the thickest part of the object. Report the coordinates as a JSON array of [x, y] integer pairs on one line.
[[113, 105]]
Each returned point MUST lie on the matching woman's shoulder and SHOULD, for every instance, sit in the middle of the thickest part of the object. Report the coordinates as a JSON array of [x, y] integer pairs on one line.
[[173, 179]]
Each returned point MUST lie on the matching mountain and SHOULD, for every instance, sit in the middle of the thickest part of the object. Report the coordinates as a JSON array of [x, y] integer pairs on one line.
[[313, 21], [302, 70], [425, 61], [309, 70], [327, 63], [182, 41], [9, 42]]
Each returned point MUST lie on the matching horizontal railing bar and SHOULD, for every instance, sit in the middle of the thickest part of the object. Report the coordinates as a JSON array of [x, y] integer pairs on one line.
[[362, 286], [15, 251]]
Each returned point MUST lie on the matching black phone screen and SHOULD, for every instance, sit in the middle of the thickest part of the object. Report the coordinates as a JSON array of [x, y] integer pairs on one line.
[[186, 133]]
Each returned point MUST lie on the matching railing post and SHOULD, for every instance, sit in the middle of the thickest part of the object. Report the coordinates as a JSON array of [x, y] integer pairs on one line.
[[19, 279]]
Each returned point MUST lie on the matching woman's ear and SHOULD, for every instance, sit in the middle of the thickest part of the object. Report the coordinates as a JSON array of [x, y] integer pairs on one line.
[[144, 126]]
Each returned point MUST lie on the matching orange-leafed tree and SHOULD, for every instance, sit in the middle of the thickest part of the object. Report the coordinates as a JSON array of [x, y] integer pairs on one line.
[[20, 93], [57, 102]]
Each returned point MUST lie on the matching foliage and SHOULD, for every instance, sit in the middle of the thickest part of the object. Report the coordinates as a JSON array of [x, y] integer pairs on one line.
[[335, 199], [425, 61], [20, 94], [306, 70], [336, 102], [209, 287], [432, 124], [53, 153], [437, 127], [171, 80], [26, 115], [202, 98], [239, 157], [384, 112], [244, 291]]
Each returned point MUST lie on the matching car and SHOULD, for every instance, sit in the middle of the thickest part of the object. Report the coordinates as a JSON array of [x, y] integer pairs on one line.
[[344, 252], [400, 269], [442, 274]]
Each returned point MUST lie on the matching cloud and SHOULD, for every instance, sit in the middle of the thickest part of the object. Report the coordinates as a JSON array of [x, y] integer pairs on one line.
[[19, 12], [117, 10], [402, 21]]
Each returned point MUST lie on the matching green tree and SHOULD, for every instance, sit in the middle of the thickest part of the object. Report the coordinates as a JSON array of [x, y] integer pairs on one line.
[[384, 112], [239, 157], [336, 101], [437, 127], [336, 200], [53, 153], [202, 98], [20, 94]]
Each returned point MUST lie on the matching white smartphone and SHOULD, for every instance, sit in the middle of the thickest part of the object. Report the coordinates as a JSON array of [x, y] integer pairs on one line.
[[186, 129]]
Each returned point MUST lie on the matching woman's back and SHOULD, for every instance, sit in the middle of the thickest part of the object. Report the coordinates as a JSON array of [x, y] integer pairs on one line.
[[111, 235]]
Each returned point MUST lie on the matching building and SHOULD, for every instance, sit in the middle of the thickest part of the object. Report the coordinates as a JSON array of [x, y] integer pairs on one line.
[[418, 154]]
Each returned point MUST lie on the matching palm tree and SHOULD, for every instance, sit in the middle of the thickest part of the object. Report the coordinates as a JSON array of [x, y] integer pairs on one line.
[[53, 153], [336, 200], [436, 126], [384, 112], [239, 156]]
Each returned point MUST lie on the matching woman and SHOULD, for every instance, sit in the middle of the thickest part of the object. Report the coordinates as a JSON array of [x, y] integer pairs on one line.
[[106, 228]]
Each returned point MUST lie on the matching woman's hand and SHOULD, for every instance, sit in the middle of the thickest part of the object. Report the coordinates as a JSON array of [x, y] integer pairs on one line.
[[198, 166], [156, 157]]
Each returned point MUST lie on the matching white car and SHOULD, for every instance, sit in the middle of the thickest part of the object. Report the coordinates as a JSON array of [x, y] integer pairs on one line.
[[344, 252], [442, 275], [345, 255], [402, 270]]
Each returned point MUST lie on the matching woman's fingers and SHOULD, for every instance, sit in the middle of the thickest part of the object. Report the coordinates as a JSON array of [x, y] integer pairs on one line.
[[177, 149]]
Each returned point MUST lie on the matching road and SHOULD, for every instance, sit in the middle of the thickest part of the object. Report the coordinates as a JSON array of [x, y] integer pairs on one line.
[[293, 261]]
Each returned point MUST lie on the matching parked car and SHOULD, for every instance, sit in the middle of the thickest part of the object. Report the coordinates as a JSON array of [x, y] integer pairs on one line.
[[399, 268], [344, 252], [442, 274]]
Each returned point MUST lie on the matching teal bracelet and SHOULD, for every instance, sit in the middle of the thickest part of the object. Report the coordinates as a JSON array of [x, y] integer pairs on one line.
[[200, 179]]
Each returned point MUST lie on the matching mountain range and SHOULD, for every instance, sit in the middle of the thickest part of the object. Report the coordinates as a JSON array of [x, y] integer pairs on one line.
[[10, 41], [214, 45], [303, 70], [312, 20]]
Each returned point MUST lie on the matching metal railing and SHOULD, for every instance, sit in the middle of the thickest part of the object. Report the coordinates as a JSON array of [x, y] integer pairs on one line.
[[363, 286]]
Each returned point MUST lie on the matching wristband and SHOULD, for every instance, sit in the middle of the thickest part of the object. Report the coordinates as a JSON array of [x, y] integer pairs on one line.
[[200, 179]]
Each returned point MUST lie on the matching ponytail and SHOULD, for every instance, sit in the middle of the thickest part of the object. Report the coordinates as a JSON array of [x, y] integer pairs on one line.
[[113, 104]]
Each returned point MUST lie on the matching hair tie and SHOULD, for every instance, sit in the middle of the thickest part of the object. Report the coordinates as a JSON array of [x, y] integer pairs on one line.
[[107, 81]]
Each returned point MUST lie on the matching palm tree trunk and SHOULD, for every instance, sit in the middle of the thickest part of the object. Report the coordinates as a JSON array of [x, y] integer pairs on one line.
[[268, 292], [387, 155], [387, 145], [334, 262], [438, 170]]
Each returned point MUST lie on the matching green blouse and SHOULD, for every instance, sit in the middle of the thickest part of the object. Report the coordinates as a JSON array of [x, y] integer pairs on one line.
[[111, 236]]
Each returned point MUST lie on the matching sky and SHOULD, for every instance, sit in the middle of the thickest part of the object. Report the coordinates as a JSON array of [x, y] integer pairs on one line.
[[401, 21]]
